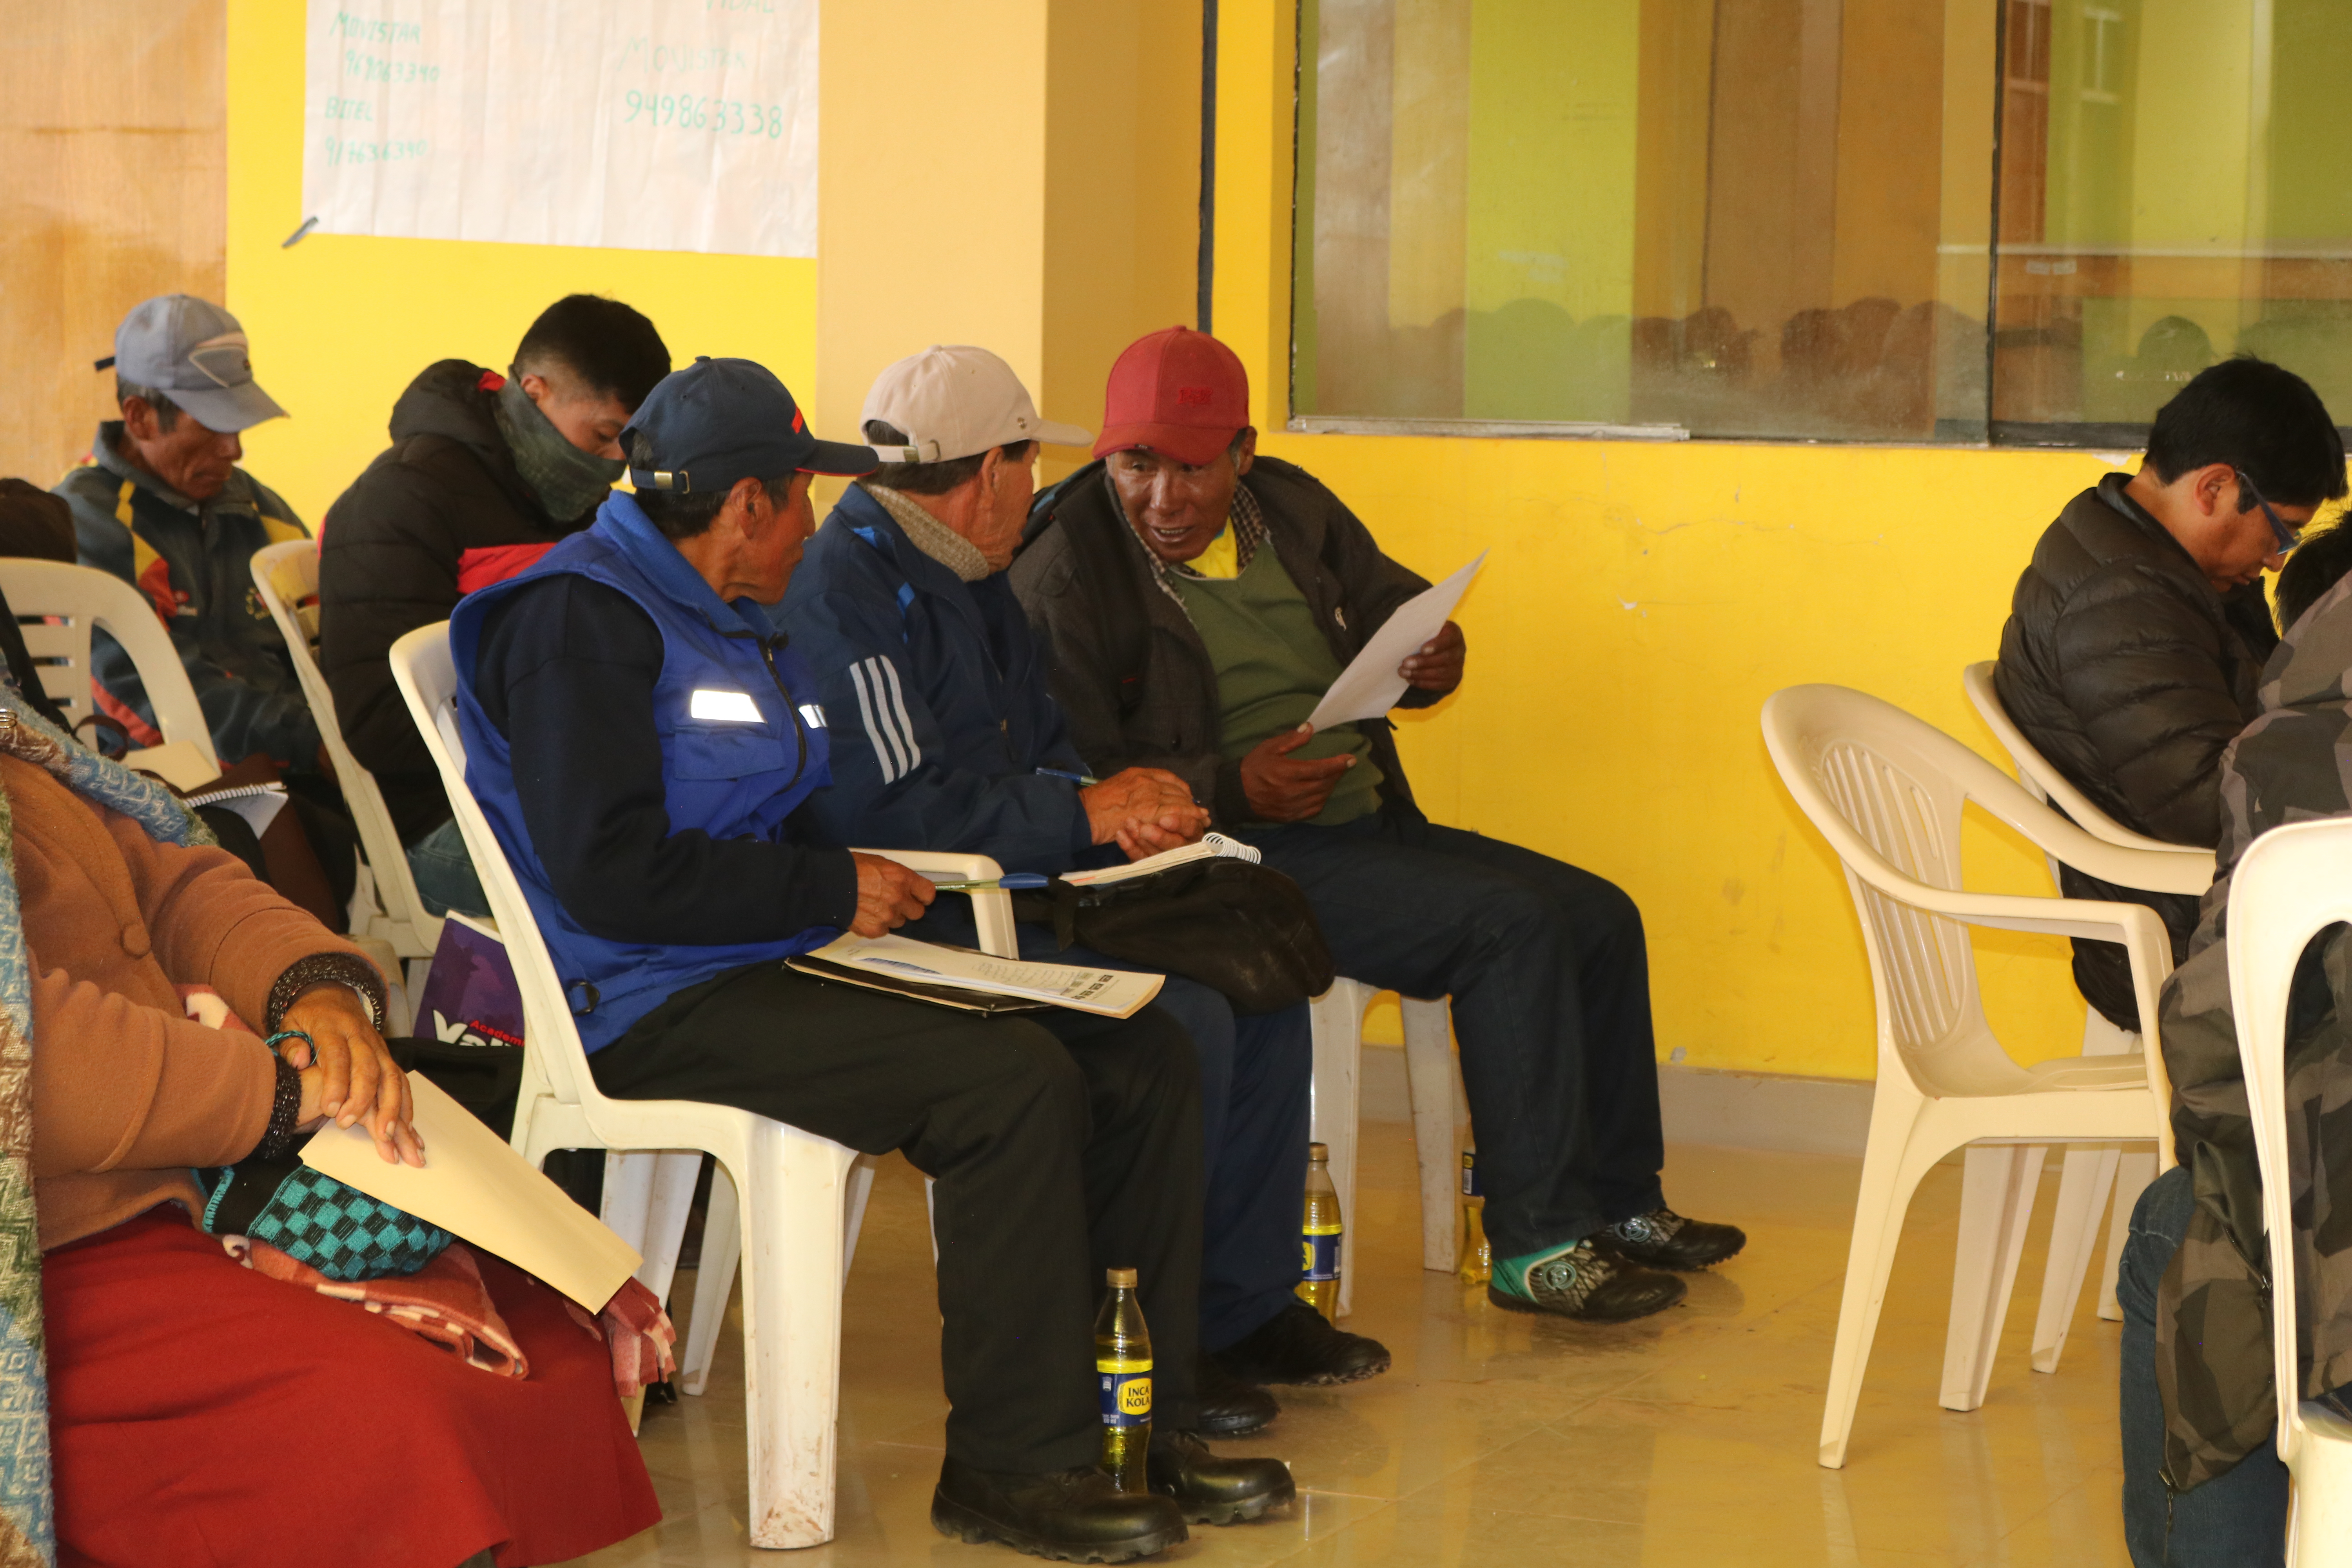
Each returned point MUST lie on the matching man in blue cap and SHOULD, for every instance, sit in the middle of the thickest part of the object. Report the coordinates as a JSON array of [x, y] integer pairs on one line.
[[642, 742], [163, 504]]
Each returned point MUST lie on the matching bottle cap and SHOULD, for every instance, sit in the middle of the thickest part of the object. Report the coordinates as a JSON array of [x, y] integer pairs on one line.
[[1469, 1158], [1317, 1152], [1121, 1278]]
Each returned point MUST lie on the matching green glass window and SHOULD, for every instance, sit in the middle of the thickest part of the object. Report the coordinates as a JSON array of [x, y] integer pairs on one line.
[[1911, 220]]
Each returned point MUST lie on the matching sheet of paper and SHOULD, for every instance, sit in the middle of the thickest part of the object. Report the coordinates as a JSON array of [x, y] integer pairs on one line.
[[1114, 992], [474, 1184], [259, 810], [1370, 685], [176, 762]]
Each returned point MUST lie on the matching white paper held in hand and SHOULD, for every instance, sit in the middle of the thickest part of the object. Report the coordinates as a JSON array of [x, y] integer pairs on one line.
[[475, 1186], [1370, 685]]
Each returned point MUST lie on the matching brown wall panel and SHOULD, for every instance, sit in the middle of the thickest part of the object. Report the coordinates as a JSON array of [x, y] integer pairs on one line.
[[113, 186]]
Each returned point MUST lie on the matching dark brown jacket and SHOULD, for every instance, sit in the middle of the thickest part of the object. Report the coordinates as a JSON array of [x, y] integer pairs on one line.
[[1125, 662]]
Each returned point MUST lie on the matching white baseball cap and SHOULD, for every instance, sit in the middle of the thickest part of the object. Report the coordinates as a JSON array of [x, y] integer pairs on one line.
[[953, 400]]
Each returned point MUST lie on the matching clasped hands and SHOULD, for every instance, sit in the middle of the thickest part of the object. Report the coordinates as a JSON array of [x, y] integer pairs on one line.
[[349, 1076]]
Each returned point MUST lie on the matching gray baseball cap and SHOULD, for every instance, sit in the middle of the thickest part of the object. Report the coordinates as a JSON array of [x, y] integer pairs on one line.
[[195, 353]]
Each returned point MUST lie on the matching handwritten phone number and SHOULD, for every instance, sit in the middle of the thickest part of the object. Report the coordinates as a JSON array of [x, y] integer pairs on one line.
[[339, 151], [720, 117]]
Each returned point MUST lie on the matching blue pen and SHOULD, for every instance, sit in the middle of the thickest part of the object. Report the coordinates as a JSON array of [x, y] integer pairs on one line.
[[1082, 780], [1012, 882]]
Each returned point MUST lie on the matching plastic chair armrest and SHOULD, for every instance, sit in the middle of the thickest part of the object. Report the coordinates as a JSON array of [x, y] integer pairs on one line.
[[992, 908]]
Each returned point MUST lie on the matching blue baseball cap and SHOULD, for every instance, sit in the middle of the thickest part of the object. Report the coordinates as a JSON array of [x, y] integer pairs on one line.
[[720, 420]]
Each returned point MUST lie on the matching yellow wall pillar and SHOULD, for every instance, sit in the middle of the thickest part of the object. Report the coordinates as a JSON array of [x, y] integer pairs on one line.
[[1023, 176]]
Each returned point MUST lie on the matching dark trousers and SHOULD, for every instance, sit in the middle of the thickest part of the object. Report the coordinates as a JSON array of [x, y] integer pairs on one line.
[[1257, 1082], [1549, 978], [1062, 1144], [2238, 1517]]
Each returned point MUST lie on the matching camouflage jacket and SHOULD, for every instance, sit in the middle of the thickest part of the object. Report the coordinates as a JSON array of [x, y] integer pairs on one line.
[[2291, 764]]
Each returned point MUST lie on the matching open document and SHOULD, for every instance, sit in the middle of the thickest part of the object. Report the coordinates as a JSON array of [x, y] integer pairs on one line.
[[1209, 848], [474, 1186], [1113, 993], [1370, 685]]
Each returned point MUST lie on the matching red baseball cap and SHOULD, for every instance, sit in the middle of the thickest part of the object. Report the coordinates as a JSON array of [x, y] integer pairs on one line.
[[1179, 392]]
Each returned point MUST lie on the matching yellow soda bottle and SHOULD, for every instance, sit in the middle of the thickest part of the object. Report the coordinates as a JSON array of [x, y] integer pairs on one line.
[[1123, 1367], [1477, 1265], [1318, 1284]]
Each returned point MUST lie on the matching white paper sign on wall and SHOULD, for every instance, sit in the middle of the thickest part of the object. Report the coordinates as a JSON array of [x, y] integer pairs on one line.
[[644, 124]]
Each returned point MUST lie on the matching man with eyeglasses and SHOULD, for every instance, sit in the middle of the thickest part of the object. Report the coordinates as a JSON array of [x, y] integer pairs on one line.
[[2137, 635]]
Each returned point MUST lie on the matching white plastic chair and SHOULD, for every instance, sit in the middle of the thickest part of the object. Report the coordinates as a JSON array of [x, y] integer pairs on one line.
[[2090, 1174], [800, 1195], [2293, 883], [79, 598], [1886, 790], [285, 575], [1338, 1017]]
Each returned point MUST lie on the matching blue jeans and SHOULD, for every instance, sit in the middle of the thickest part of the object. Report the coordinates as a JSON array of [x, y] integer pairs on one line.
[[445, 873], [1549, 977], [2236, 1518], [1257, 1078]]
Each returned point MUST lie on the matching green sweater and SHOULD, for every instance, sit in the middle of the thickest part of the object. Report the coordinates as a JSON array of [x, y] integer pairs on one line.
[[1273, 667]]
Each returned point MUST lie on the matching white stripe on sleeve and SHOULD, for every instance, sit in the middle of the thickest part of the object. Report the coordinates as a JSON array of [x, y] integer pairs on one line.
[[905, 725], [884, 752]]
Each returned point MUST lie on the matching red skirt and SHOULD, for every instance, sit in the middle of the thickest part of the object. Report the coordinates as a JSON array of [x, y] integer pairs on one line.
[[202, 1414]]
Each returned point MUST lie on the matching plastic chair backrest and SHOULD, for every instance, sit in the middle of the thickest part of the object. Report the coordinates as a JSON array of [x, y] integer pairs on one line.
[[57, 603], [1886, 790], [428, 677], [285, 575], [2292, 884], [2045, 782]]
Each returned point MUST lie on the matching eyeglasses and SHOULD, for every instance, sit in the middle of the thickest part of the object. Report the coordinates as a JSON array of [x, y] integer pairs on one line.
[[2288, 538]]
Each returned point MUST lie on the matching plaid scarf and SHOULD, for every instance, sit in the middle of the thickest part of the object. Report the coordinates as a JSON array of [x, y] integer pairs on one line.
[[27, 1522]]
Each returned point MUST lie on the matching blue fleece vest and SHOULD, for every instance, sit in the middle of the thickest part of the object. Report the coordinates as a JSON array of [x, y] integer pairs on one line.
[[727, 777]]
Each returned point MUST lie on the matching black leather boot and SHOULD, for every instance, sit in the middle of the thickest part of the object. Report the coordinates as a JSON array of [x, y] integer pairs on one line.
[[1664, 1239], [1296, 1346], [1077, 1516], [1229, 1408], [1210, 1490]]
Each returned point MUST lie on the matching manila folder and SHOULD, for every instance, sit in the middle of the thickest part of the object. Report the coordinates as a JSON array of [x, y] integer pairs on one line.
[[474, 1184]]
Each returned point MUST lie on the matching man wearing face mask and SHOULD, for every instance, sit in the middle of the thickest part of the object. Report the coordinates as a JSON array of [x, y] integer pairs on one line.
[[162, 504], [485, 474]]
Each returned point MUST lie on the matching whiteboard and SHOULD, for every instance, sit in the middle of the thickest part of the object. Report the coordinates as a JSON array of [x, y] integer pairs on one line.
[[644, 124]]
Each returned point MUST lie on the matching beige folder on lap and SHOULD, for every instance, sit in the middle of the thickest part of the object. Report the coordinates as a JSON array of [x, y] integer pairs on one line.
[[475, 1186]]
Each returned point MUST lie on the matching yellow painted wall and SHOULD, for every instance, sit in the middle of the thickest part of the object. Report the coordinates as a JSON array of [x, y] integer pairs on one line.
[[1643, 601], [340, 324]]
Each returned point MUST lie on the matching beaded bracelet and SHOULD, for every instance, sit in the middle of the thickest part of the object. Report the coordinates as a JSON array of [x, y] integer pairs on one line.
[[323, 969], [278, 1139]]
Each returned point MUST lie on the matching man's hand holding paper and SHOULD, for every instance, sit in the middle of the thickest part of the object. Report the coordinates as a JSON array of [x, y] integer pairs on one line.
[[1417, 646]]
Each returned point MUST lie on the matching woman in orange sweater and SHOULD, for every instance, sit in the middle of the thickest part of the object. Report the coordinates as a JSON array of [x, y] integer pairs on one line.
[[197, 1412]]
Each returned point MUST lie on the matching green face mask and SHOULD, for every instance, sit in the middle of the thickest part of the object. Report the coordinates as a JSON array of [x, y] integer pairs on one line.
[[567, 481]]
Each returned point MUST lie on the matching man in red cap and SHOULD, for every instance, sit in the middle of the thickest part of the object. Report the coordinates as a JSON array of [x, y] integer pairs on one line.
[[1199, 599]]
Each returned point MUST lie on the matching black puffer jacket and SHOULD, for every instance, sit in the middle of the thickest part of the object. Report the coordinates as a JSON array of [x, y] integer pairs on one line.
[[441, 512], [2130, 674]]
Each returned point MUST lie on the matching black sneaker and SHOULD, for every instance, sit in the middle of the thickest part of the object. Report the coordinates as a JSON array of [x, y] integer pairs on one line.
[[1590, 1286], [1664, 1239], [1210, 1490], [1298, 1346], [1229, 1408], [1077, 1516]]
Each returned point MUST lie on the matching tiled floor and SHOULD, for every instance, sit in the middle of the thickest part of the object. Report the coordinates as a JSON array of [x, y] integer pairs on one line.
[[1686, 1438]]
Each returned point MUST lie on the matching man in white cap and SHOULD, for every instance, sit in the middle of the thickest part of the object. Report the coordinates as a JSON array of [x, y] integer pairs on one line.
[[944, 734], [163, 505]]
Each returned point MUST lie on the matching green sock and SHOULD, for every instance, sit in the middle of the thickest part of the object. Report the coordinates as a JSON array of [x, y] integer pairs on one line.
[[1510, 1274]]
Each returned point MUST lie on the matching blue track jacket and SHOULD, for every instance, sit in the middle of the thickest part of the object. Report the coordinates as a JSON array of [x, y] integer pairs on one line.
[[936, 695]]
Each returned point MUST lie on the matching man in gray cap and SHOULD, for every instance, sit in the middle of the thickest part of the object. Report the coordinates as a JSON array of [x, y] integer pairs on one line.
[[163, 505]]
